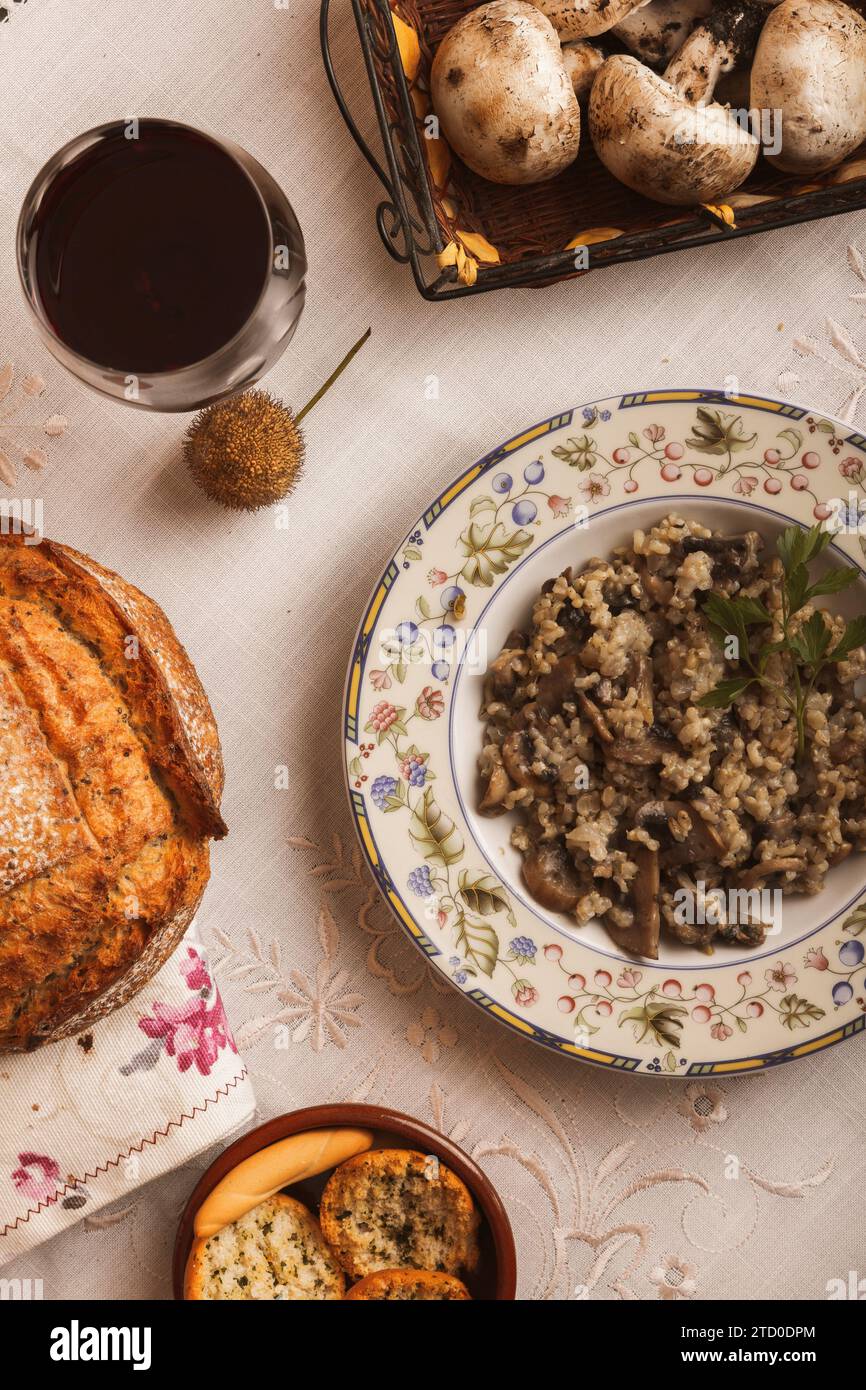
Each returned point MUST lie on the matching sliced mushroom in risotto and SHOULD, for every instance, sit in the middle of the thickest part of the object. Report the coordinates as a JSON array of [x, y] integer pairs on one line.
[[634, 798]]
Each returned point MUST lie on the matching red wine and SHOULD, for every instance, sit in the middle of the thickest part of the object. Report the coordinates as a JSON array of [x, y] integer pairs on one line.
[[151, 252]]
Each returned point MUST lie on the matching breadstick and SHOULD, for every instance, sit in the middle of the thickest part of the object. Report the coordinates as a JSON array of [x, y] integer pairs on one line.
[[291, 1160]]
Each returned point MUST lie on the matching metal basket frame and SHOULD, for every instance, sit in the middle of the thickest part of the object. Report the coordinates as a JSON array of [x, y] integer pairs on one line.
[[407, 220]]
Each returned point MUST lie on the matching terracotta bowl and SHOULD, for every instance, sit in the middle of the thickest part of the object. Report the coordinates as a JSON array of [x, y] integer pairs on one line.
[[496, 1276]]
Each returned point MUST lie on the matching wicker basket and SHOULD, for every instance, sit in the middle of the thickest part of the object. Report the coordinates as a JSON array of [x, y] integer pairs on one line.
[[463, 235]]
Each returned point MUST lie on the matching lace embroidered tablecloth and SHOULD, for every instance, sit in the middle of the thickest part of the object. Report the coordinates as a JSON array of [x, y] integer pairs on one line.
[[617, 1187]]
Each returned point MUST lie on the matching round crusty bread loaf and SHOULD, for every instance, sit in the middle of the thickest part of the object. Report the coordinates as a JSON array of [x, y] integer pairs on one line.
[[276, 1251], [405, 1285], [397, 1209], [110, 783]]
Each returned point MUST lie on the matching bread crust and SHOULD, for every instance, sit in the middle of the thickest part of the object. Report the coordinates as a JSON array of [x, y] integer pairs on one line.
[[294, 1159], [399, 1209], [104, 855], [274, 1252], [409, 1284]]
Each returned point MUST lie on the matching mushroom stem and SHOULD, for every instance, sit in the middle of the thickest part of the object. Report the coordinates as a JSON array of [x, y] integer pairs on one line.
[[718, 45], [655, 31], [639, 931], [595, 717], [695, 70], [646, 902], [640, 680]]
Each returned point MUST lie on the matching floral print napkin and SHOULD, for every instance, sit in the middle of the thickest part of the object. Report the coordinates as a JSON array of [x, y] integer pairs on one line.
[[85, 1121]]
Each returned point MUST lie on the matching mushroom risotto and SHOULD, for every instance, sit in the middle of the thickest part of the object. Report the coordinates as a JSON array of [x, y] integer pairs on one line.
[[653, 761]]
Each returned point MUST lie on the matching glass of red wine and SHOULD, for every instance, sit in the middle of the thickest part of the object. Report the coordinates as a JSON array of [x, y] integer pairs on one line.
[[164, 267]]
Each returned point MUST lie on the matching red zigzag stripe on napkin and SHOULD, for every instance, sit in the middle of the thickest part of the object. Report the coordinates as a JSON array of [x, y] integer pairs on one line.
[[133, 1148]]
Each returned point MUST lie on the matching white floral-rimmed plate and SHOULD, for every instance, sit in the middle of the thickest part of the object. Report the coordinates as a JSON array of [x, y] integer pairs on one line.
[[568, 488]]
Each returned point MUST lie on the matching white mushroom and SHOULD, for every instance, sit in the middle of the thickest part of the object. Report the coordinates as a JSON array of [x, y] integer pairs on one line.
[[582, 61], [664, 137], [582, 19], [505, 102], [810, 65], [655, 31]]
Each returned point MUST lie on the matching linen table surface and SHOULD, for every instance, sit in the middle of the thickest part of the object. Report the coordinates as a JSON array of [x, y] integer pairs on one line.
[[617, 1187]]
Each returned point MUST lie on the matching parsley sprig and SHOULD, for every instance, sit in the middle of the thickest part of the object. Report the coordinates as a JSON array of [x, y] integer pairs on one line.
[[806, 644]]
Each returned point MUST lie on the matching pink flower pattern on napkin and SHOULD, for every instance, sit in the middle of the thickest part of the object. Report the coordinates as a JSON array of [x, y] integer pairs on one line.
[[194, 1032], [37, 1178]]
